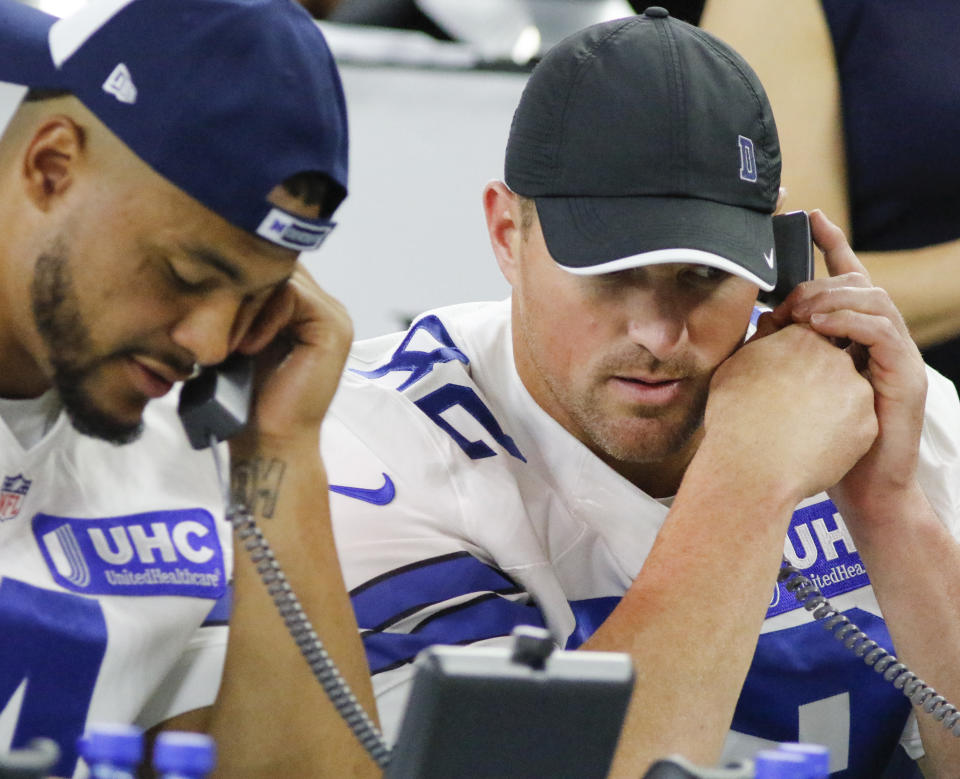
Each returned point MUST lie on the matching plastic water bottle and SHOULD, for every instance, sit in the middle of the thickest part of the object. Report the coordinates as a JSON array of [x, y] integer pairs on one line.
[[816, 756], [112, 751], [777, 764], [181, 755]]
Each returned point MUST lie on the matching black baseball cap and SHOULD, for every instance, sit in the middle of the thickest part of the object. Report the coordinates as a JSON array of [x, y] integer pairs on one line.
[[646, 140]]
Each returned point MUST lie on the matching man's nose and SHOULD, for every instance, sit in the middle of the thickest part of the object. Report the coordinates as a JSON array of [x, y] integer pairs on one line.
[[657, 322], [206, 329]]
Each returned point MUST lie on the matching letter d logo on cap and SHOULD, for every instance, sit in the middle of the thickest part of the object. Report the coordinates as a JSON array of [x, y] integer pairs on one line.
[[748, 160]]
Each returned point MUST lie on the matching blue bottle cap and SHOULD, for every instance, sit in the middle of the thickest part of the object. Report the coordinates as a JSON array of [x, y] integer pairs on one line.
[[775, 764], [112, 743], [816, 755], [184, 753]]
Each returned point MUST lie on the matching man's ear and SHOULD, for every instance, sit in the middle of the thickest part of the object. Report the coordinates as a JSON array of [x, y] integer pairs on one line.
[[502, 210], [52, 159]]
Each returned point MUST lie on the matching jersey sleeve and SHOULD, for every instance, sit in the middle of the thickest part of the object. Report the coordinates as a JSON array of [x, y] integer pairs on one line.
[[416, 571], [939, 474], [939, 465]]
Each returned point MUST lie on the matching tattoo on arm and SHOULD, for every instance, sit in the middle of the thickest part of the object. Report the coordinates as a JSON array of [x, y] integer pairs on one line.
[[256, 484]]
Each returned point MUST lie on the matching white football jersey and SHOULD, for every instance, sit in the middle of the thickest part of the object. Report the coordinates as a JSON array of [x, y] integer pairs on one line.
[[462, 509], [111, 558]]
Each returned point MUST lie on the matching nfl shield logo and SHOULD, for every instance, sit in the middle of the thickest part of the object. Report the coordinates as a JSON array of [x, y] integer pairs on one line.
[[15, 489]]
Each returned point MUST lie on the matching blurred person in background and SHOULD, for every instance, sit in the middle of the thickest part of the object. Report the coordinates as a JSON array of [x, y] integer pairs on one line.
[[867, 99]]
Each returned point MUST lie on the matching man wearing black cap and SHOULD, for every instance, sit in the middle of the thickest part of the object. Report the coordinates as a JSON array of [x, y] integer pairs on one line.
[[603, 455], [161, 167]]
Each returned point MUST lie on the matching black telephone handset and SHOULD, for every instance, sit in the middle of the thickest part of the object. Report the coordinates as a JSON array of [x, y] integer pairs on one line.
[[216, 404], [793, 245]]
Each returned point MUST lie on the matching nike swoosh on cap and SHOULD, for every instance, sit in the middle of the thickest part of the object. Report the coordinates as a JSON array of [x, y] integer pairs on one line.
[[378, 497]]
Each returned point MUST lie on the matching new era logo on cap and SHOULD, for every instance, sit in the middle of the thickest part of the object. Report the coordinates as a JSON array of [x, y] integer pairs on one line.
[[120, 84]]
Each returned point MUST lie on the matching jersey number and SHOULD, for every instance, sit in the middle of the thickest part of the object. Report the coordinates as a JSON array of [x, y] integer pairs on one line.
[[450, 395], [47, 673], [419, 363], [827, 722]]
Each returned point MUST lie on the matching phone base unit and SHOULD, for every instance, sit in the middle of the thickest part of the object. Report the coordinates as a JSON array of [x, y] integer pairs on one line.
[[523, 712]]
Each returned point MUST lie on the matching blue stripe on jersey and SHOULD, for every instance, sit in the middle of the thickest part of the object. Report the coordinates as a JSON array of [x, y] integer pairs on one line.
[[394, 595], [390, 597], [590, 615], [780, 681], [488, 616], [52, 651], [222, 608], [800, 666]]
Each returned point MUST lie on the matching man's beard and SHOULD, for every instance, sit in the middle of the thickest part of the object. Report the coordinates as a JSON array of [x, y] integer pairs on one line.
[[647, 436], [57, 316], [609, 435]]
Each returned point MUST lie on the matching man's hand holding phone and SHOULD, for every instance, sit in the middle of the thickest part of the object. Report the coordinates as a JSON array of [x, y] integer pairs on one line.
[[908, 550], [848, 307], [300, 342], [771, 410]]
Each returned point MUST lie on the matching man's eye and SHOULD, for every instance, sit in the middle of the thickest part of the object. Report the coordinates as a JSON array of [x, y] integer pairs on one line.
[[708, 273], [183, 282]]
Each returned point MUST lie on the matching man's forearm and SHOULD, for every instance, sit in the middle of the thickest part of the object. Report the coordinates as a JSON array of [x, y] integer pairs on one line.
[[914, 566], [687, 632], [272, 717]]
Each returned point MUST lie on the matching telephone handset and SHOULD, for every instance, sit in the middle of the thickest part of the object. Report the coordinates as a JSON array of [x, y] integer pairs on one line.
[[793, 245], [213, 407], [216, 404]]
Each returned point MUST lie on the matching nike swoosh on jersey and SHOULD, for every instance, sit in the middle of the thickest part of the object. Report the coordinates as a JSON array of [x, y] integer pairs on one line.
[[378, 497]]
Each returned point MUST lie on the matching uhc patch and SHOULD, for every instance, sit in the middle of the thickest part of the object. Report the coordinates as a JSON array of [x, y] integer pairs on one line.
[[155, 553], [820, 546]]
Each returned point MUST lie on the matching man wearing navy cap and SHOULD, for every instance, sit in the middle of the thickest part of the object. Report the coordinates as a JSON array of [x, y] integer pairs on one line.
[[162, 164], [604, 456]]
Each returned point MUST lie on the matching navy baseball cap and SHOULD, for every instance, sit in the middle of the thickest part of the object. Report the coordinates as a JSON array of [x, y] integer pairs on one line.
[[646, 140], [226, 99]]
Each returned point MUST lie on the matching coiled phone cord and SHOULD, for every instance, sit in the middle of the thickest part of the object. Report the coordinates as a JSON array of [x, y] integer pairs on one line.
[[902, 678], [308, 642]]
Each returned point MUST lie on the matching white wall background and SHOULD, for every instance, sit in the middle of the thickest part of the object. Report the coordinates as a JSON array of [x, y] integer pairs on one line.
[[411, 234]]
